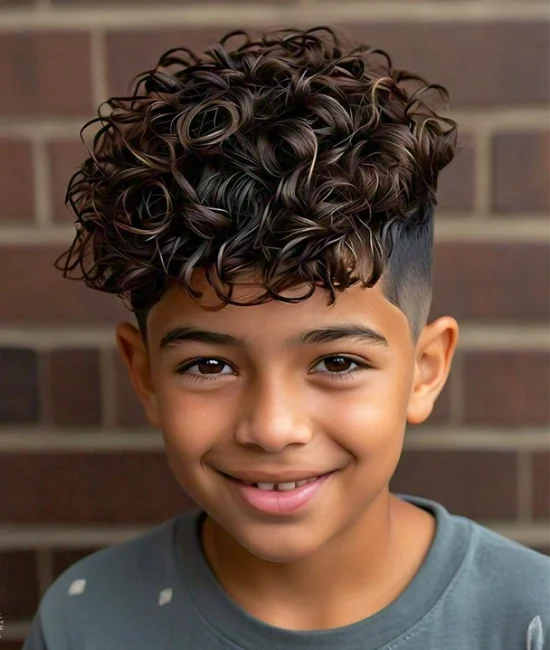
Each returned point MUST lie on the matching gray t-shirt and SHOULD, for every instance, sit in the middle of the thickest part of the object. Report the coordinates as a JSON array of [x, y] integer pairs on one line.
[[476, 590]]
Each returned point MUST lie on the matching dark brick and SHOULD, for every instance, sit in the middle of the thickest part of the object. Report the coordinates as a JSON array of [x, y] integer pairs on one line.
[[104, 488], [474, 61], [129, 412], [541, 485], [16, 181], [129, 53], [64, 158], [46, 73], [74, 387], [18, 584], [456, 185], [38, 293], [492, 282], [64, 558], [19, 402], [506, 388], [481, 485], [448, 54], [545, 550], [521, 171]]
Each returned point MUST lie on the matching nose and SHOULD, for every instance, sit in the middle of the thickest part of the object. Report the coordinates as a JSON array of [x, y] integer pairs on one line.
[[273, 416]]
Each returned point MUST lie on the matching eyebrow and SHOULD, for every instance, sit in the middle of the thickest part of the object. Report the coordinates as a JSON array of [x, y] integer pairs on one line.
[[326, 334]]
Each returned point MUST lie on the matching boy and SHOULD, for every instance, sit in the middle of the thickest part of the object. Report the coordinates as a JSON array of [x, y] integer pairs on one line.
[[267, 212]]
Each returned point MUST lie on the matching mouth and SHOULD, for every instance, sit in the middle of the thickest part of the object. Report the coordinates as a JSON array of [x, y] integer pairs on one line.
[[283, 485], [278, 498]]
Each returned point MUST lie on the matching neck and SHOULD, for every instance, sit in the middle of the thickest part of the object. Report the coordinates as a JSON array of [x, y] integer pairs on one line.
[[354, 575]]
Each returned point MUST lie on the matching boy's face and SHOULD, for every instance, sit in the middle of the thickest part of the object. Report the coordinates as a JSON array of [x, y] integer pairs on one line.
[[278, 407]]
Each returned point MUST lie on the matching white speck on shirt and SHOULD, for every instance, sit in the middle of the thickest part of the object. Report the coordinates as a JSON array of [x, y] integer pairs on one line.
[[535, 635], [165, 596], [77, 587]]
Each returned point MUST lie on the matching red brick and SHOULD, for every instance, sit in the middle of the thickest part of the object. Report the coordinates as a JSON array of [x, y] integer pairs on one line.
[[448, 53], [18, 584], [456, 184], [477, 484], [545, 550], [506, 388], [16, 181], [46, 73], [541, 485], [129, 53], [129, 412], [64, 558], [38, 293], [19, 400], [64, 158], [521, 171], [492, 282], [104, 488], [73, 387], [474, 61]]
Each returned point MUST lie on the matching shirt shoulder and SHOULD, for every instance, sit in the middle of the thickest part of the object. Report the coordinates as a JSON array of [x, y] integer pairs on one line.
[[109, 590], [507, 586]]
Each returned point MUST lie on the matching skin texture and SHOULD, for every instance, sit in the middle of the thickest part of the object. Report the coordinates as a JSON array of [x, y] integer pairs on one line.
[[274, 407]]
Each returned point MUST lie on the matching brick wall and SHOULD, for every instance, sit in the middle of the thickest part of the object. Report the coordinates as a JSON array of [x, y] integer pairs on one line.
[[78, 470]]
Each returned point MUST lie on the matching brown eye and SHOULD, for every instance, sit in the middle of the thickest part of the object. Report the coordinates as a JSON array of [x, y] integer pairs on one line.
[[209, 366], [206, 368], [337, 364]]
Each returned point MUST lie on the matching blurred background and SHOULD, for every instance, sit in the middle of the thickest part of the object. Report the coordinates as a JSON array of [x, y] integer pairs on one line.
[[79, 469]]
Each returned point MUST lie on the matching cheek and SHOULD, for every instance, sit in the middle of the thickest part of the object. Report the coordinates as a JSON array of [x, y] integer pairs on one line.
[[192, 424], [371, 421]]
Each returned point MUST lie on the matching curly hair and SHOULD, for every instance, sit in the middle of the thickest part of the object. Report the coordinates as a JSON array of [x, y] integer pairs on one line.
[[289, 156]]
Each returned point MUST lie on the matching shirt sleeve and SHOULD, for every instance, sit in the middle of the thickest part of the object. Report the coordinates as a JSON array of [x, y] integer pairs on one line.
[[35, 639]]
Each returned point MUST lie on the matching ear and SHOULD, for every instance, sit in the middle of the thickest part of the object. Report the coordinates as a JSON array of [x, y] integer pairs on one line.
[[434, 354], [134, 353]]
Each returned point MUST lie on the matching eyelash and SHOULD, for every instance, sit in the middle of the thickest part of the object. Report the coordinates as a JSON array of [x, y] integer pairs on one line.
[[332, 375]]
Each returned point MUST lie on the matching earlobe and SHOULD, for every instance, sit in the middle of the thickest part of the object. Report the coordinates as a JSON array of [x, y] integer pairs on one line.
[[434, 354], [135, 356]]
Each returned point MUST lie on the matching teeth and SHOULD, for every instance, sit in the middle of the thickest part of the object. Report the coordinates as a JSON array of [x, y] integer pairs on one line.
[[283, 487]]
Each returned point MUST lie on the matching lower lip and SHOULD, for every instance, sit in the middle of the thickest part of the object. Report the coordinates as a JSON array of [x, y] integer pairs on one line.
[[276, 502]]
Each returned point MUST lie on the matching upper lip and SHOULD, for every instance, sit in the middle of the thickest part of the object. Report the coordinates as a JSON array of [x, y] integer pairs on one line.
[[279, 477]]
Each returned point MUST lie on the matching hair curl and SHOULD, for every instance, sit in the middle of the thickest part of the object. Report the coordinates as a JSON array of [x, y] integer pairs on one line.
[[289, 156]]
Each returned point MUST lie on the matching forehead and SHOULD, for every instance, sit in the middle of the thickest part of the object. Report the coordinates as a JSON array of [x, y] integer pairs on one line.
[[276, 321]]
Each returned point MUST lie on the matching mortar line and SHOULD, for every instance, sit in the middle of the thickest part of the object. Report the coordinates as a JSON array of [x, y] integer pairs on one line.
[[483, 174], [107, 386], [490, 120], [24, 536], [46, 440], [42, 184], [98, 58], [473, 336], [456, 227]]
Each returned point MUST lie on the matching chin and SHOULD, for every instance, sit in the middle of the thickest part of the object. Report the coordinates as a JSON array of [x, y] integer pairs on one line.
[[282, 547]]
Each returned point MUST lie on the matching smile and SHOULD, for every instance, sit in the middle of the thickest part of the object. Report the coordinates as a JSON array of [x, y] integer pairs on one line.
[[278, 498]]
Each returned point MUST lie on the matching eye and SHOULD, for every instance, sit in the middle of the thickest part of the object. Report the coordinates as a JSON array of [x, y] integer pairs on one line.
[[205, 369], [338, 366]]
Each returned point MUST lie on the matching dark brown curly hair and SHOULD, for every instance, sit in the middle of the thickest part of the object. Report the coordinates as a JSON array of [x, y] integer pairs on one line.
[[289, 156]]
